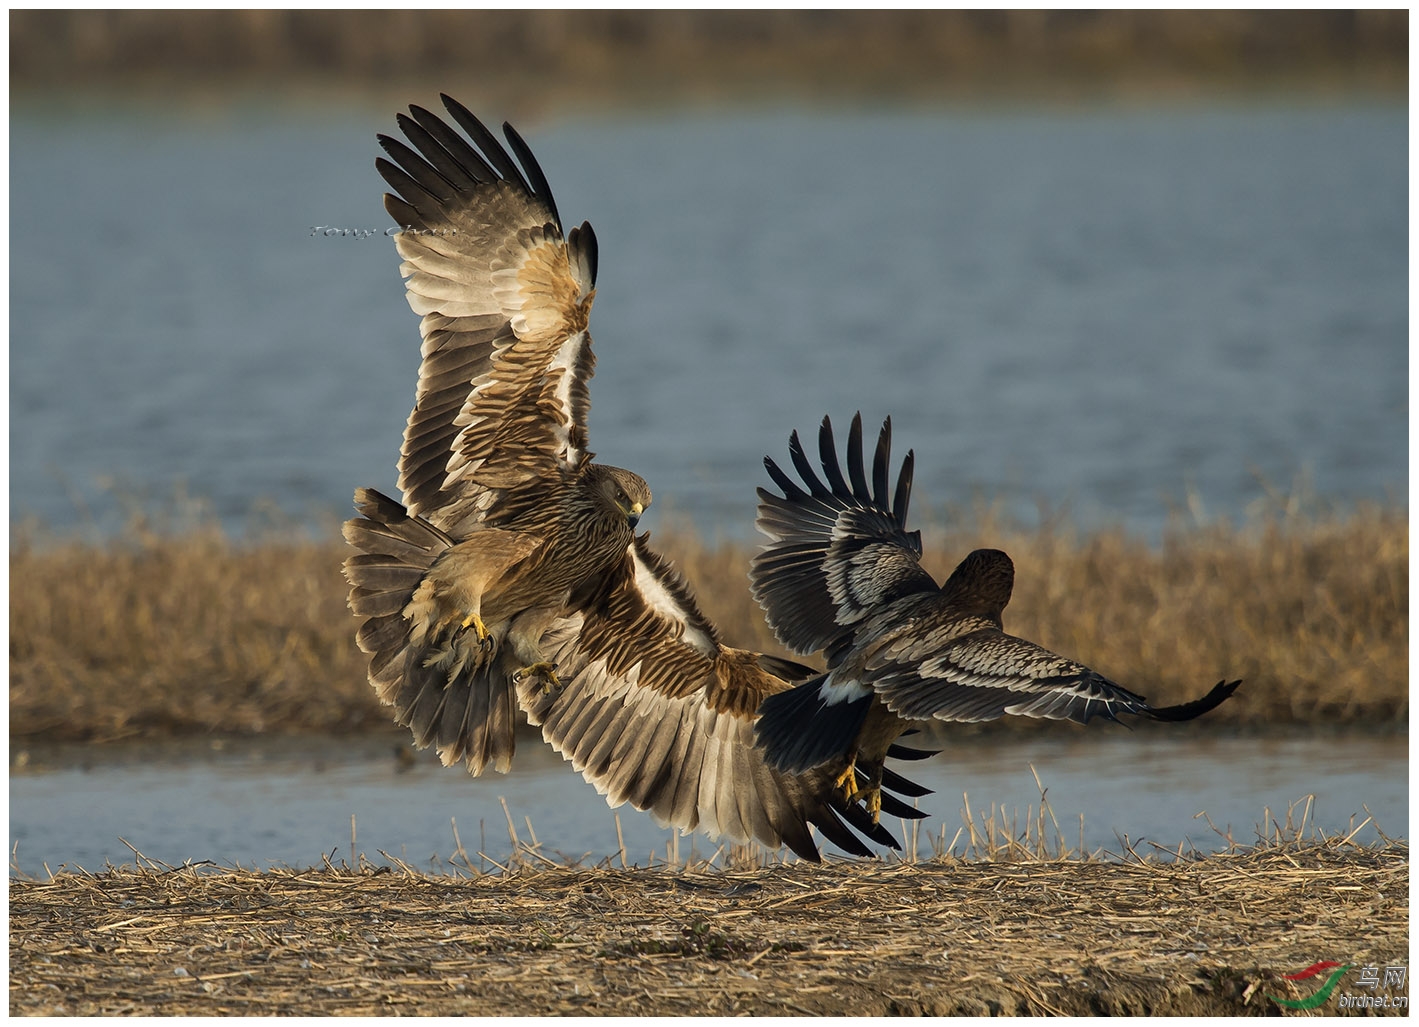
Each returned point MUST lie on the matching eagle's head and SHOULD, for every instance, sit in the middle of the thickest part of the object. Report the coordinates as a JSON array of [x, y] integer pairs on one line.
[[983, 581], [623, 492]]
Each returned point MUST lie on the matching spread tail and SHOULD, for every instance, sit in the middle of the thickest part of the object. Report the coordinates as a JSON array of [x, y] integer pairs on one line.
[[442, 686]]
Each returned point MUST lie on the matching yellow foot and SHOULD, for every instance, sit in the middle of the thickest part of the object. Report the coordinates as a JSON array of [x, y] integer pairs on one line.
[[485, 640], [545, 672], [872, 799], [847, 780]]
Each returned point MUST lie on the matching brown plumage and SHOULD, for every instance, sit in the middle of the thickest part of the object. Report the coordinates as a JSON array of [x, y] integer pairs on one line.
[[841, 575], [510, 574]]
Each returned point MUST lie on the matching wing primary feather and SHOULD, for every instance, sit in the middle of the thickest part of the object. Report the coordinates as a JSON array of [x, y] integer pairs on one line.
[[895, 807], [903, 495], [485, 141], [433, 151], [783, 481], [533, 169], [1187, 711], [582, 240], [854, 459], [892, 781], [410, 193], [416, 167], [859, 818], [828, 455], [786, 669], [804, 468], [830, 822], [879, 464], [468, 158], [403, 214], [902, 752]]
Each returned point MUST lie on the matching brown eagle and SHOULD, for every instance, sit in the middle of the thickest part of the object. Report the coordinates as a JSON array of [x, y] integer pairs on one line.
[[841, 574], [510, 574]]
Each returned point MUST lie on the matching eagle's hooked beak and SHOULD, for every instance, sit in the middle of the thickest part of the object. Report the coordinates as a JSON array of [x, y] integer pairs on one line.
[[633, 515]]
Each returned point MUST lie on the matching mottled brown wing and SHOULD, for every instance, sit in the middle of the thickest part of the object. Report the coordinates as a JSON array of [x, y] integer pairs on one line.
[[502, 396], [653, 710]]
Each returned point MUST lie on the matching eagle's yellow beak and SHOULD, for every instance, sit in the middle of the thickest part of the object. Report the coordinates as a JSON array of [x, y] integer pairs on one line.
[[633, 515]]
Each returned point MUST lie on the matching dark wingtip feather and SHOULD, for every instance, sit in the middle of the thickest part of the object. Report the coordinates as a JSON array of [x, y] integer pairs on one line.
[[829, 822], [894, 782], [783, 481], [880, 459], [854, 460], [584, 239], [533, 169], [859, 818], [828, 456], [902, 499], [804, 468], [485, 141], [1220, 693], [895, 807], [469, 160], [788, 670]]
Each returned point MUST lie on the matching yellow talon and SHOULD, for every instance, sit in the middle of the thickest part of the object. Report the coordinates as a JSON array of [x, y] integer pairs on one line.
[[847, 780], [485, 639], [545, 671], [873, 801]]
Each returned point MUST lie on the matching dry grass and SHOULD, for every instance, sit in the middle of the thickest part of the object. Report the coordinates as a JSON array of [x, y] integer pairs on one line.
[[177, 627], [713, 53], [1016, 932]]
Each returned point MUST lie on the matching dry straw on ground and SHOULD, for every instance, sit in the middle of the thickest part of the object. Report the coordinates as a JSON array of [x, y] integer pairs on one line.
[[180, 628], [1013, 933]]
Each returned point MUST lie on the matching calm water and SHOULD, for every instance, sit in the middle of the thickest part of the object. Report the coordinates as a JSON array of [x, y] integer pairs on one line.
[[1096, 310], [283, 803]]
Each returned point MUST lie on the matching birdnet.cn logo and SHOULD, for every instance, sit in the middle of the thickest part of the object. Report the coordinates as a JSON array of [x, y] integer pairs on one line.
[[1328, 974]]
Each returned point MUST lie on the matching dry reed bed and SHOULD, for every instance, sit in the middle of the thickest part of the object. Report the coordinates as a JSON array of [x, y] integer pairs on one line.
[[937, 937], [186, 630]]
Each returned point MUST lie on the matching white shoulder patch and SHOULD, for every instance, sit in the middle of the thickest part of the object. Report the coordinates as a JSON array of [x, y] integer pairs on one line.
[[833, 692], [659, 598]]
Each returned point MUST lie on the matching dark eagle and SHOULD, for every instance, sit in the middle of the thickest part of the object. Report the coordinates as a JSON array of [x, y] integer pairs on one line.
[[841, 575], [510, 574]]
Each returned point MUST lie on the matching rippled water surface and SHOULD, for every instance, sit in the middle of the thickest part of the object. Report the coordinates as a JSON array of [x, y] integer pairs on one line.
[[1099, 310], [280, 802]]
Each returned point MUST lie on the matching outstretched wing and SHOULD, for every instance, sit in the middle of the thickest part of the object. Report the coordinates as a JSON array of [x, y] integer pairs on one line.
[[502, 397], [653, 710], [985, 674], [838, 550]]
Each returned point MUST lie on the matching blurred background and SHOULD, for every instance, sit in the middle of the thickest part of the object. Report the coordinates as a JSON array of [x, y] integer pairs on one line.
[[1061, 227], [1116, 269]]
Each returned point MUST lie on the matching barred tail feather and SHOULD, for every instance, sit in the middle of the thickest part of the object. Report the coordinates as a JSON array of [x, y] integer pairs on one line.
[[444, 689], [458, 700]]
